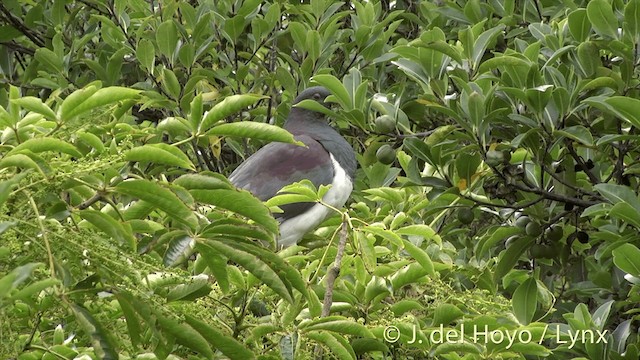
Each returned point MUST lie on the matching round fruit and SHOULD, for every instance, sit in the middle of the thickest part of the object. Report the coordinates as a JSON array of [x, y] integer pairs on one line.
[[385, 124], [465, 216], [522, 221], [494, 158], [386, 154], [533, 229], [541, 251], [554, 233], [583, 237]]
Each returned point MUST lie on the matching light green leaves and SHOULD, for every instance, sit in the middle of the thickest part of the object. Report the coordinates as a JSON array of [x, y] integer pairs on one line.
[[230, 105], [146, 54], [626, 108], [627, 258], [524, 301], [160, 154], [254, 130], [167, 38], [601, 16], [90, 98], [37, 106]]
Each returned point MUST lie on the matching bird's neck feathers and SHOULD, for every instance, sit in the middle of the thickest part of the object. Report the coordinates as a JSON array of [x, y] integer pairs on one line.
[[305, 121]]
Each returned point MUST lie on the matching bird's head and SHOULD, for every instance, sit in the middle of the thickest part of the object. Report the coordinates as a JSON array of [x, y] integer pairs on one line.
[[309, 115], [316, 93]]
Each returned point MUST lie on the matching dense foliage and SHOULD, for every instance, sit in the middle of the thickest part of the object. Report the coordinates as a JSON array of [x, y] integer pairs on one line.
[[497, 188]]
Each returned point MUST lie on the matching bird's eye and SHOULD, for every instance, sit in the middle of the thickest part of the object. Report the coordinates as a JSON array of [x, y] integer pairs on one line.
[[316, 96]]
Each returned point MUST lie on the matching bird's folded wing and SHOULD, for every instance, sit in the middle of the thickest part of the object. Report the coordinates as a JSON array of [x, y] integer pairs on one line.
[[277, 165]]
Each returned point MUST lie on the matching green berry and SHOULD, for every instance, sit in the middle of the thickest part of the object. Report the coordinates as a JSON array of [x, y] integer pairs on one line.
[[533, 229], [522, 221], [385, 124], [554, 233], [386, 154], [465, 216]]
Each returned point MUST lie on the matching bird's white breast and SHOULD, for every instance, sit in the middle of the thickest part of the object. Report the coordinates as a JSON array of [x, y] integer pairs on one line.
[[292, 230]]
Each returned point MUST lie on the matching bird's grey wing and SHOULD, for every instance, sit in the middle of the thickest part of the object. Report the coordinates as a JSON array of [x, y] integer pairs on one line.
[[277, 165]]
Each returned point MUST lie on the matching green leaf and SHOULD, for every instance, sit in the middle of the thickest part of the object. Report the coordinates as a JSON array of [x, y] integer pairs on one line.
[[480, 45], [578, 133], [167, 38], [39, 145], [217, 265], [254, 130], [525, 300], [445, 313], [234, 27], [128, 305], [601, 16], [445, 48], [229, 106], [336, 88], [194, 287], [75, 99], [34, 289], [340, 350], [502, 61], [229, 346], [255, 265], [299, 35], [100, 340], [409, 274], [314, 44], [510, 256], [317, 107], [6, 187], [49, 59], [206, 181], [579, 25], [91, 140], [588, 58], [110, 226], [160, 154], [497, 235], [159, 197], [389, 235], [627, 258], [146, 54], [626, 212], [240, 202], [171, 83], [618, 193], [101, 97], [632, 19], [20, 161], [418, 148], [626, 108], [36, 105], [179, 249], [347, 327], [185, 335]]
